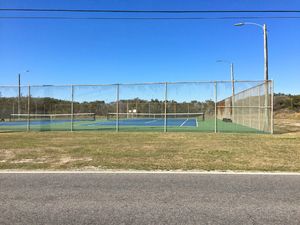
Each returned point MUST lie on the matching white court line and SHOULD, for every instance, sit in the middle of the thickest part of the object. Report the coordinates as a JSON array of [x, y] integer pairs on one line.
[[229, 172], [183, 122], [152, 121]]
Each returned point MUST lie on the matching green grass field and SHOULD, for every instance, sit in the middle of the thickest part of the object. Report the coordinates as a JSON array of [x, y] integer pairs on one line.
[[149, 151], [197, 148]]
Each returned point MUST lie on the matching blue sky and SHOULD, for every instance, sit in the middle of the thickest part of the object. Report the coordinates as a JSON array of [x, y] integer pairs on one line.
[[122, 51]]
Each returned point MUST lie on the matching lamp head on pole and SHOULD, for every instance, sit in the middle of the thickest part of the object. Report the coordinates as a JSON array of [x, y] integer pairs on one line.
[[223, 61], [239, 24]]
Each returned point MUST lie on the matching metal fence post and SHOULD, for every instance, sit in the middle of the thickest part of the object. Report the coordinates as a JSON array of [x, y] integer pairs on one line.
[[117, 108], [272, 107], [266, 106], [165, 113], [72, 107], [216, 99], [249, 111], [28, 110]]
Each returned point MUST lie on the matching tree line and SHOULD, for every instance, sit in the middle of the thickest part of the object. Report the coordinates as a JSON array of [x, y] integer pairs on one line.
[[13, 105]]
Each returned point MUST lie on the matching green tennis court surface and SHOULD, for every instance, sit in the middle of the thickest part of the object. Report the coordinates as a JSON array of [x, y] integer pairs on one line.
[[192, 124]]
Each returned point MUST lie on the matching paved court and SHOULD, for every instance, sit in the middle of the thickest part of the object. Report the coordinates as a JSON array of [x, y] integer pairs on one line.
[[174, 122]]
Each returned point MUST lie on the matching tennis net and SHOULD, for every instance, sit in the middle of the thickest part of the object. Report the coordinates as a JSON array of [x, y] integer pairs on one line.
[[54, 117], [114, 116]]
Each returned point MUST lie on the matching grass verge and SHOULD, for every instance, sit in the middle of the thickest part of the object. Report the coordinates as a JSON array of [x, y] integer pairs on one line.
[[149, 151]]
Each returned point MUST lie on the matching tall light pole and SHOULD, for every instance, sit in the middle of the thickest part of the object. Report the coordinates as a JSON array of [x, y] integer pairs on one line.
[[232, 82], [264, 28], [19, 94], [266, 66], [19, 91], [231, 72]]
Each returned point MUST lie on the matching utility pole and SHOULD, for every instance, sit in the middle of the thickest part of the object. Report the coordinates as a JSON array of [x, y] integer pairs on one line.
[[266, 52], [232, 86], [232, 77], [19, 93], [267, 102], [266, 71], [232, 98]]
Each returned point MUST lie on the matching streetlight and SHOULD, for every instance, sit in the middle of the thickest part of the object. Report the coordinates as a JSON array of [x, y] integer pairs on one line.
[[232, 79], [264, 28], [266, 66]]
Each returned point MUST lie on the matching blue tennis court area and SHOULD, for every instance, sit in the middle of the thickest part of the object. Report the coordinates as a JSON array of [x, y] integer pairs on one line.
[[175, 122]]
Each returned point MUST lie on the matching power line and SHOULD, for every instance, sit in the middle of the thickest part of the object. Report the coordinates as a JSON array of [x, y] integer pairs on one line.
[[145, 18], [144, 11]]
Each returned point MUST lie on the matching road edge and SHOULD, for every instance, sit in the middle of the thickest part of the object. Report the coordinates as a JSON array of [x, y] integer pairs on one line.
[[146, 172]]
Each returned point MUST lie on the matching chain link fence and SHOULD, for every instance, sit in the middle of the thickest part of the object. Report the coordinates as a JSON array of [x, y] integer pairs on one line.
[[215, 106]]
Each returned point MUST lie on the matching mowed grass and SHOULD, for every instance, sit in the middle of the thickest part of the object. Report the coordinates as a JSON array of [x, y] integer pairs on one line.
[[94, 150]]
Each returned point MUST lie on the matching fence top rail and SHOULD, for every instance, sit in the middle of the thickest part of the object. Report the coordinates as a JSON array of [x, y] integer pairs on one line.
[[143, 83]]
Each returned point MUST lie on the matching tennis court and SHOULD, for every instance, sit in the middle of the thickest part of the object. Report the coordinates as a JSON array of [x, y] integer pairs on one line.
[[89, 119], [169, 106], [192, 122], [125, 124], [189, 122]]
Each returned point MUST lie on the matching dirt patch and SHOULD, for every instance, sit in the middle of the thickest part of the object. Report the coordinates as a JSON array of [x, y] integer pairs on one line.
[[286, 125], [24, 161], [66, 160], [286, 114], [5, 154], [39, 160], [286, 121]]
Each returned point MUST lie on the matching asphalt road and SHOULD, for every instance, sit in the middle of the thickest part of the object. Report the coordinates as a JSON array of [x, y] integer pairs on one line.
[[149, 199]]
